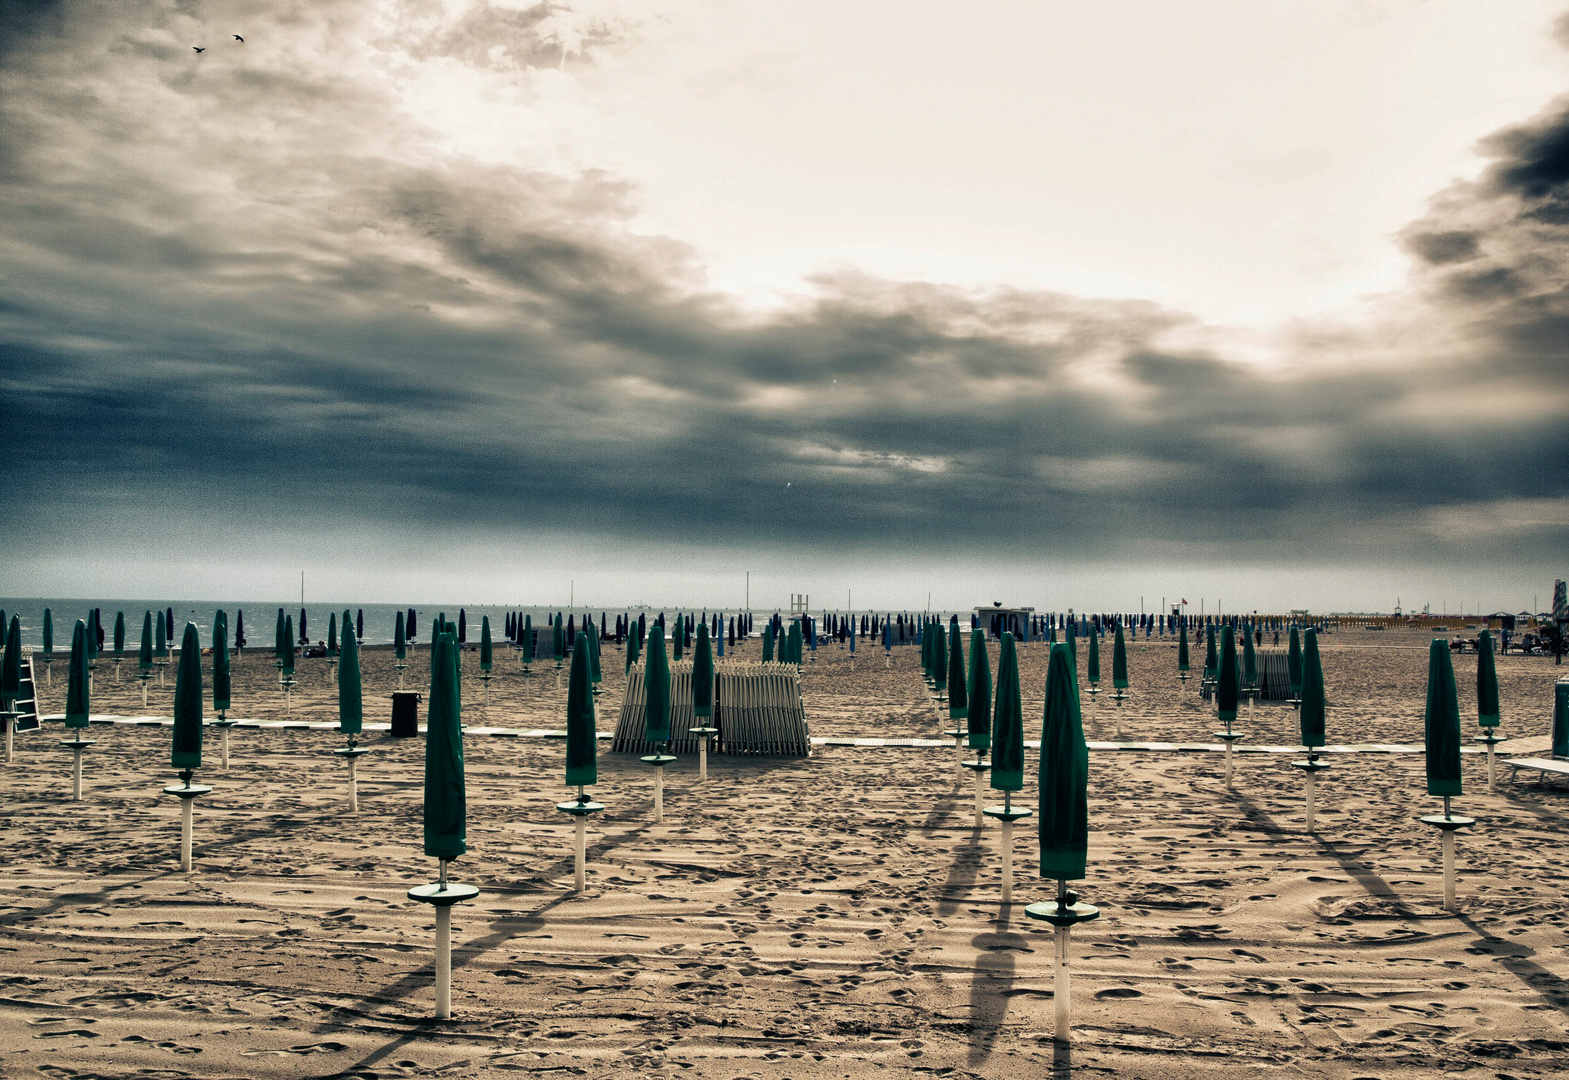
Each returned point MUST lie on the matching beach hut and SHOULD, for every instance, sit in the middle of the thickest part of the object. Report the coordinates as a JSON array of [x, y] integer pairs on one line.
[[703, 698], [77, 706], [445, 807], [656, 696], [351, 711], [1487, 712], [222, 685], [1442, 724], [185, 747], [582, 756], [1063, 821], [1311, 722]]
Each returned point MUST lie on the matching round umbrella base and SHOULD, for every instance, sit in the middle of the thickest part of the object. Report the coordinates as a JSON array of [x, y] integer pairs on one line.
[[77, 744], [702, 731], [976, 766], [1310, 766], [1490, 739], [1052, 912], [1094, 690], [957, 733], [184, 792], [579, 809], [1007, 813], [223, 723], [439, 896], [350, 751], [659, 761], [1447, 824], [1228, 736]]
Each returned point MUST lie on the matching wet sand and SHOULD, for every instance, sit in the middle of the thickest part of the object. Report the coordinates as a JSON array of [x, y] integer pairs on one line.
[[835, 916]]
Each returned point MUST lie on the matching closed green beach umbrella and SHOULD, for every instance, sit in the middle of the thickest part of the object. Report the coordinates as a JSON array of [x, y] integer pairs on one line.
[[768, 643], [1119, 662], [978, 689], [1486, 682], [221, 682], [186, 746], [1007, 721], [119, 635], [634, 643], [656, 686], [48, 632], [703, 675], [1182, 649], [1294, 664], [1092, 668], [332, 633], [582, 739], [593, 657], [794, 642], [400, 641], [1064, 775], [484, 643], [77, 703], [11, 665], [558, 639], [288, 644], [1211, 662], [1443, 722], [939, 656], [1312, 718], [446, 807], [676, 637], [144, 656], [958, 690], [1249, 660], [1226, 679], [277, 641], [528, 639], [160, 641], [351, 713]]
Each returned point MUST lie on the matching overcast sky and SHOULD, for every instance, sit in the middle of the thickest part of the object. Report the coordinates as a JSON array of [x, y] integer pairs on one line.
[[1070, 303]]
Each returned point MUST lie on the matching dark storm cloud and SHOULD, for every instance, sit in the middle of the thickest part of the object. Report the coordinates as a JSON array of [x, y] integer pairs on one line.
[[248, 290]]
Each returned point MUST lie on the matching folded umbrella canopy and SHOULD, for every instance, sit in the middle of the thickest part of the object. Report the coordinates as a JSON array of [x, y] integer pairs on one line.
[[400, 642], [144, 656], [958, 689], [939, 657], [1182, 650], [78, 688], [1211, 663], [703, 675], [634, 645], [594, 676], [288, 645], [351, 712], [446, 808], [1312, 689], [186, 746], [119, 635], [277, 641], [1119, 661], [1064, 775], [485, 654], [978, 692], [676, 635], [1486, 682], [1226, 680], [1442, 722], [1294, 664], [332, 631], [582, 739], [656, 687], [558, 640], [221, 680], [1007, 719], [49, 632], [161, 642], [794, 642], [11, 666], [1092, 668], [1249, 661], [768, 643]]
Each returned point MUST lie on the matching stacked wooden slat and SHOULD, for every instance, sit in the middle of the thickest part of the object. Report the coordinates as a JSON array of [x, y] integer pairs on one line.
[[757, 709]]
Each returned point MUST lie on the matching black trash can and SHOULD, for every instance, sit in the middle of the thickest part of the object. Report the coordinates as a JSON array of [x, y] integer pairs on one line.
[[405, 713]]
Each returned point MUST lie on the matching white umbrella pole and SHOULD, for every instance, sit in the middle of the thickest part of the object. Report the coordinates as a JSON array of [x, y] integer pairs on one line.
[[659, 796], [958, 760], [978, 819], [1060, 990], [1449, 870], [9, 736], [1007, 861], [580, 863], [1228, 763], [702, 761], [1489, 768], [354, 788], [223, 748], [76, 774], [1310, 806], [144, 692], [443, 962], [187, 812]]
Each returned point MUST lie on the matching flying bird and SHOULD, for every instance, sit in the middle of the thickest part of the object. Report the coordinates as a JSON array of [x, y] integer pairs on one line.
[[238, 38], [198, 48]]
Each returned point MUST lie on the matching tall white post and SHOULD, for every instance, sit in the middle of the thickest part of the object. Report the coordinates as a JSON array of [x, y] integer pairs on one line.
[[443, 962], [187, 810], [580, 864], [1007, 861], [9, 735], [702, 760], [1228, 763], [978, 819], [1449, 870], [1060, 988], [223, 747], [1310, 806], [76, 774], [1489, 768], [659, 795], [354, 788]]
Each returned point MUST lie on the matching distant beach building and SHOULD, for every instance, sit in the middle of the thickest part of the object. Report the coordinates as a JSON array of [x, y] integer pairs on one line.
[[994, 619]]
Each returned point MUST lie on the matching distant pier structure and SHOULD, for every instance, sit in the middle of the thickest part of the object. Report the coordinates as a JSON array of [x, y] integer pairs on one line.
[[1018, 621]]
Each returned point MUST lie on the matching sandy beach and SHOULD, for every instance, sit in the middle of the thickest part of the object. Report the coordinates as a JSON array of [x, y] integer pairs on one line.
[[834, 916]]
